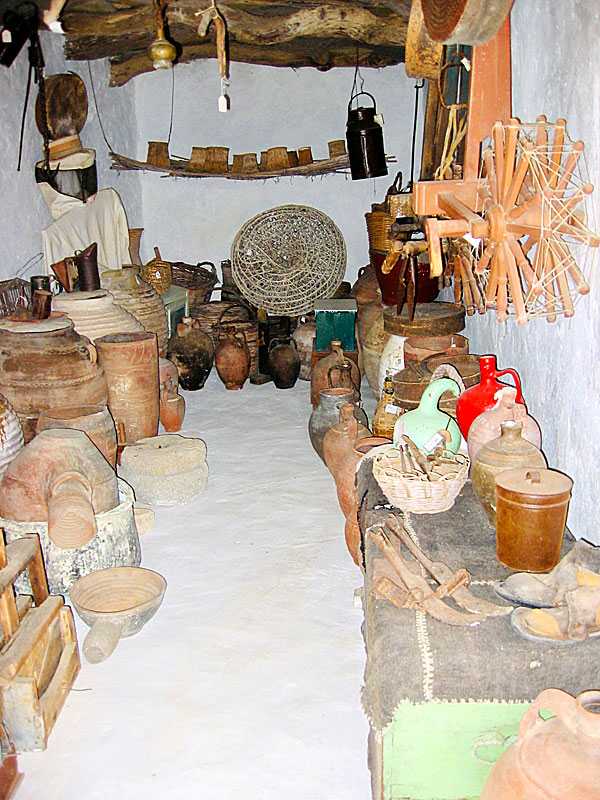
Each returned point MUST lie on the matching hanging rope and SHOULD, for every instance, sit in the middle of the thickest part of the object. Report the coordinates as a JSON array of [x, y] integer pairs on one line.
[[172, 107], [418, 86], [457, 119], [97, 109]]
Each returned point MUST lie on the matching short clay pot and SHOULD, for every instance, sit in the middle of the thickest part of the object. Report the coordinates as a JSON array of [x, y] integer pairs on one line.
[[94, 420]]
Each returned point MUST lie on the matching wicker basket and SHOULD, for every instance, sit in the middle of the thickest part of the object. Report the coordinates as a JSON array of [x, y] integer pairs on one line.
[[414, 491], [198, 281], [11, 292], [378, 224], [157, 273]]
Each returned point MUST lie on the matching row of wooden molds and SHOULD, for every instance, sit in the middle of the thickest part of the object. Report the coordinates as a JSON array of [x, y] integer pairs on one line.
[[216, 159]]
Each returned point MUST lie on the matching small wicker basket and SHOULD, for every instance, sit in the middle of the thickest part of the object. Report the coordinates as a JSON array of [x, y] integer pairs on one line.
[[413, 491], [157, 273], [13, 292], [378, 224], [198, 281]]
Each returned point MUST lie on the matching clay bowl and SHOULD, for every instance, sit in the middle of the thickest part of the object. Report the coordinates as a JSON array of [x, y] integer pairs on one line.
[[115, 603]]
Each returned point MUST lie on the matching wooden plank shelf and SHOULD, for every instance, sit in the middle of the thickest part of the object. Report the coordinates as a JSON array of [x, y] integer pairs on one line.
[[179, 168]]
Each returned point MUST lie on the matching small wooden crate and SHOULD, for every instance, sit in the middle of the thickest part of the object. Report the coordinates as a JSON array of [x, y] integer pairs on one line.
[[39, 659], [336, 319], [158, 154]]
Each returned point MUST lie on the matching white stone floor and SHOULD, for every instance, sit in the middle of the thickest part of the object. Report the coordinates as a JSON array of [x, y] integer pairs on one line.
[[246, 684]]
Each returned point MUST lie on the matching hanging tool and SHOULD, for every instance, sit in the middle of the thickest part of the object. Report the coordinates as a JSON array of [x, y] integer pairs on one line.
[[207, 16]]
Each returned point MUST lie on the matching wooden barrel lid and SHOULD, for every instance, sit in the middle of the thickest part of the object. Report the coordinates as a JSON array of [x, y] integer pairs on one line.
[[535, 483], [66, 105], [464, 21], [431, 319]]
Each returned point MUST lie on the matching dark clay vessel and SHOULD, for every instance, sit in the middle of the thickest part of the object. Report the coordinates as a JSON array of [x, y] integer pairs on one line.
[[284, 363], [193, 353]]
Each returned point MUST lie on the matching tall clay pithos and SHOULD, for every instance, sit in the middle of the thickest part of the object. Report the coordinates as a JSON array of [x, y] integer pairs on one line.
[[130, 361]]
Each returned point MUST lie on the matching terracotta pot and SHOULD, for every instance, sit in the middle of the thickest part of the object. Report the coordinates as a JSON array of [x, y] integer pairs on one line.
[[486, 426], [140, 299], [327, 414], [95, 314], [172, 411], [232, 359], [366, 288], [46, 365], [192, 352], [32, 477], [508, 451], [284, 363], [418, 348], [375, 340], [352, 537], [482, 397], [364, 321], [304, 336], [130, 361], [71, 520], [346, 474], [340, 438], [168, 376], [552, 759], [94, 420], [11, 434], [323, 378]]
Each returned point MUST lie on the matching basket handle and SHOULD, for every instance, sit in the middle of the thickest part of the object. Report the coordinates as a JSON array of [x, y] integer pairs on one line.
[[228, 308], [208, 263]]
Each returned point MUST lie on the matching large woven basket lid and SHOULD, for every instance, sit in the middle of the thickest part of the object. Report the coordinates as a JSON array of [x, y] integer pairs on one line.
[[287, 257]]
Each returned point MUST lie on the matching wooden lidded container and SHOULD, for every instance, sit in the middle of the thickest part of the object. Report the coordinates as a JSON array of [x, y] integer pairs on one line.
[[531, 514]]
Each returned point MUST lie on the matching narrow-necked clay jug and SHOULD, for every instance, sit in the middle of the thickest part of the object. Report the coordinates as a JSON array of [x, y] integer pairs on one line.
[[319, 378], [304, 336], [192, 352], [344, 376], [327, 414], [508, 451], [486, 426], [426, 420], [366, 288], [482, 397], [339, 439], [552, 759], [232, 358], [284, 363]]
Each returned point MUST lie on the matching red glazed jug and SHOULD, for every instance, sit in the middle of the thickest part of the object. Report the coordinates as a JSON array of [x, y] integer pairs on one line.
[[481, 397]]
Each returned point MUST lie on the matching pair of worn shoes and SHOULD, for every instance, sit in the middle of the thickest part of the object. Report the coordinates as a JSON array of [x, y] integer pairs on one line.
[[564, 604]]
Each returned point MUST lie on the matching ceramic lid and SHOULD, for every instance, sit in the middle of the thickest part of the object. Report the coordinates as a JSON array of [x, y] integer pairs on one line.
[[543, 482], [54, 323]]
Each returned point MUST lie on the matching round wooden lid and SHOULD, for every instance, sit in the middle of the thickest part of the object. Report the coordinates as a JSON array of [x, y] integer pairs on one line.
[[431, 319], [534, 482]]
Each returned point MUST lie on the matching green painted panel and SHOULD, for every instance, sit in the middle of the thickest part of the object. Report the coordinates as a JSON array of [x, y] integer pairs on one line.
[[444, 751], [335, 325]]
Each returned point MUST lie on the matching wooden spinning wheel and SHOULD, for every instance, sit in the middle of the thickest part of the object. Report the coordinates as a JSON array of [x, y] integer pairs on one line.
[[529, 209]]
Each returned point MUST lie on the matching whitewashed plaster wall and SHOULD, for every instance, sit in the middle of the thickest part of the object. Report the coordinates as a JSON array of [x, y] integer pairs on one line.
[[556, 72], [196, 220], [24, 213]]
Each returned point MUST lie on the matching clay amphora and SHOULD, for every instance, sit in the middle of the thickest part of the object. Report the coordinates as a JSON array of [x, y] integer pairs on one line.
[[304, 336], [482, 397], [320, 374], [508, 451], [284, 363], [486, 426], [340, 438], [345, 478], [552, 759], [364, 320], [95, 314], [232, 358], [342, 376], [327, 414], [130, 361], [140, 299], [375, 340], [192, 352], [387, 411], [366, 288], [46, 365], [94, 420], [423, 422]]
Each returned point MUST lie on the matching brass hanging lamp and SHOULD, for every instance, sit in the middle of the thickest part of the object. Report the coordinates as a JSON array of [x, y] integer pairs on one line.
[[161, 52]]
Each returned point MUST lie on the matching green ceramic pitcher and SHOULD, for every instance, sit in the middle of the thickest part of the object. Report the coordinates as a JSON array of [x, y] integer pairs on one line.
[[422, 423]]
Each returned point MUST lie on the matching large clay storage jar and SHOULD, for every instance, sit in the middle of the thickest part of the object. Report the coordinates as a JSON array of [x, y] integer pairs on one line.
[[46, 365], [327, 414], [140, 299], [531, 514], [366, 288], [130, 361], [367, 316], [232, 359], [322, 376], [304, 336], [192, 351], [95, 313], [552, 759], [375, 340], [482, 396], [11, 434], [486, 426], [284, 363], [339, 439], [94, 420], [508, 451]]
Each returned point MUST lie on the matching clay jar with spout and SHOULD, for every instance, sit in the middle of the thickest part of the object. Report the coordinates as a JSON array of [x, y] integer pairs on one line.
[[482, 397], [192, 351], [94, 420], [47, 365], [508, 451], [340, 438], [322, 378], [552, 759], [284, 363], [232, 358], [327, 414], [130, 361], [486, 426], [304, 336]]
